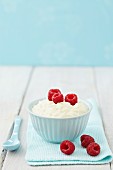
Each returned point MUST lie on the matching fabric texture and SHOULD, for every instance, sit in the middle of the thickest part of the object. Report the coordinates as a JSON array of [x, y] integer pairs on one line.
[[40, 152]]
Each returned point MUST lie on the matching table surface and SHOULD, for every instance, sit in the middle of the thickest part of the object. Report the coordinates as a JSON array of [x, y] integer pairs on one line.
[[19, 85]]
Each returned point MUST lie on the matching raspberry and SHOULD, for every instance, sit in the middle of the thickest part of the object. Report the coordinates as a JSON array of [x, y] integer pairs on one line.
[[67, 147], [83, 137], [57, 98], [93, 149], [52, 92], [71, 98], [86, 140]]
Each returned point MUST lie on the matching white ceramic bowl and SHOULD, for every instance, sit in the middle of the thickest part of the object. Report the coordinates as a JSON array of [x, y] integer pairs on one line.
[[58, 129]]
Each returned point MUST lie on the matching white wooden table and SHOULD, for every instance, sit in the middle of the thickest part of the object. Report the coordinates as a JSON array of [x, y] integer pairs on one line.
[[20, 85]]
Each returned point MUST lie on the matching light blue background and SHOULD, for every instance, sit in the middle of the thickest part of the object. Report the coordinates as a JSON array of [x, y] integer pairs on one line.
[[56, 32]]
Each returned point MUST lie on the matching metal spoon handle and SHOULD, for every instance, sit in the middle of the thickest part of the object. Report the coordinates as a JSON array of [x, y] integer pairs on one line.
[[17, 123]]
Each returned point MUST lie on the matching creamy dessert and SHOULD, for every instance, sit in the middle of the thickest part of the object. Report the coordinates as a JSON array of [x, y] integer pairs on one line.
[[63, 109], [59, 116]]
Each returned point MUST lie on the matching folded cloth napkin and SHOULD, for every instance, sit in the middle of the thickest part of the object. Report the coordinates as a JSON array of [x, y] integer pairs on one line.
[[40, 152]]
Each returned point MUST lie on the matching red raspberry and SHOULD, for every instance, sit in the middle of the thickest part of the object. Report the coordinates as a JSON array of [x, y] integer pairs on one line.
[[86, 140], [71, 98], [52, 92], [93, 149], [67, 147], [57, 98]]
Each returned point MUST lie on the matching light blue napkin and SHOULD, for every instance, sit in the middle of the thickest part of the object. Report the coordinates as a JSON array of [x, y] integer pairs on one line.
[[39, 152]]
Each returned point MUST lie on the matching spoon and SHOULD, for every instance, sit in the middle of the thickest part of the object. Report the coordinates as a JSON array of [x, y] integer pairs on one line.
[[13, 143]]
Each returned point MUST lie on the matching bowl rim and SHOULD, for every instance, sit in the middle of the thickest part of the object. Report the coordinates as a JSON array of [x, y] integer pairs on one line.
[[34, 102]]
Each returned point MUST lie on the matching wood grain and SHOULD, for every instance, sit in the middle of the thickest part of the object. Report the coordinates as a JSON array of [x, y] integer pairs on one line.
[[104, 82], [79, 80], [13, 81]]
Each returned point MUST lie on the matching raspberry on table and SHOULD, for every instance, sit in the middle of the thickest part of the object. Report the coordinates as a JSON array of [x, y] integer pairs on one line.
[[71, 98], [52, 92], [57, 98], [86, 140], [83, 137], [93, 149], [67, 147]]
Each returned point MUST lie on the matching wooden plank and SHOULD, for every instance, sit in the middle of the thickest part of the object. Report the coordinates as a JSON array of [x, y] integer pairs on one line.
[[111, 165], [104, 83], [13, 81], [79, 80]]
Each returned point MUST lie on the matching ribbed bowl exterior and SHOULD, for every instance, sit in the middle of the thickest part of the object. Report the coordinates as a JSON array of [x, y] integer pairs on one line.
[[58, 129]]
